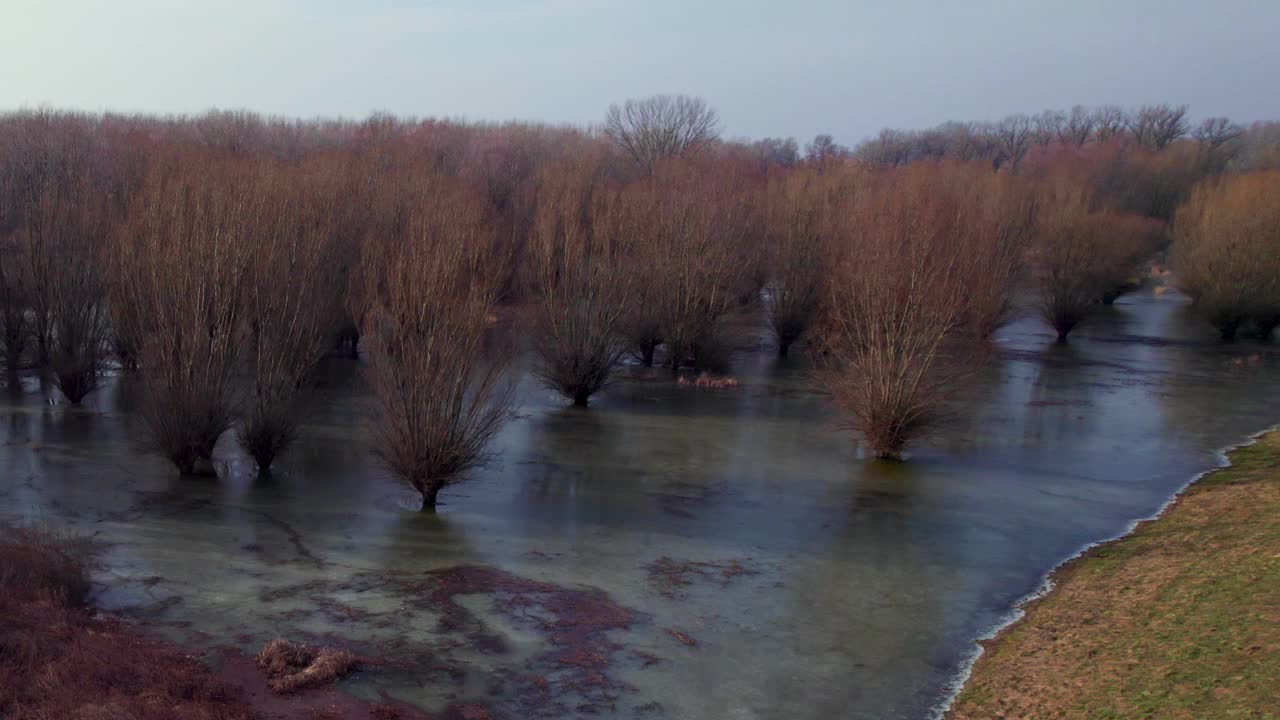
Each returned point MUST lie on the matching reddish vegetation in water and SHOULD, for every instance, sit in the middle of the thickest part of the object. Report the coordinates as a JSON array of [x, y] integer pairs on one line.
[[668, 575], [576, 620], [53, 647], [708, 382], [681, 638], [575, 672]]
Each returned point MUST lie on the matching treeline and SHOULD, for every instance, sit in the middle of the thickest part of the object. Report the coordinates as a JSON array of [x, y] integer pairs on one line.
[[222, 256]]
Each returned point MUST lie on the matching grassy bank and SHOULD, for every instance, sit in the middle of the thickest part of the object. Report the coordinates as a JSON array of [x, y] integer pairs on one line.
[[1180, 619]]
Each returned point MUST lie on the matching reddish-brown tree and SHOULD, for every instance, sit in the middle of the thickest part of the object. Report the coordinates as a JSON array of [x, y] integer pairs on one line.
[[438, 371], [577, 259], [692, 228], [892, 339], [1227, 251], [180, 269], [292, 298]]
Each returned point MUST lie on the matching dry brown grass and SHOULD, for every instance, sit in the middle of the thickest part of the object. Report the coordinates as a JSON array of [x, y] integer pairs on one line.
[[180, 270], [290, 667], [1179, 620], [1227, 251], [439, 374], [577, 259]]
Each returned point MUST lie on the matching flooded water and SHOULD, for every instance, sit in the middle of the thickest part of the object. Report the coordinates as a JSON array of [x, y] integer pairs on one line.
[[668, 553]]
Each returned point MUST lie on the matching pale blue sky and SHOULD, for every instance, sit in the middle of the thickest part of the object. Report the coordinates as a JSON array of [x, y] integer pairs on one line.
[[798, 67]]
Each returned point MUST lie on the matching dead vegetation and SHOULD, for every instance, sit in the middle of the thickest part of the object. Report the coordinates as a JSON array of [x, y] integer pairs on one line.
[[290, 667]]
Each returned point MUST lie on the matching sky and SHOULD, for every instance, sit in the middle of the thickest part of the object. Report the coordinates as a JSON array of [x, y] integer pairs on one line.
[[784, 68]]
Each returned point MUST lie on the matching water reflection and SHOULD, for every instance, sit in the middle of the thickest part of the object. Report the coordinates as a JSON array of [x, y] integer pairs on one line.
[[862, 584]]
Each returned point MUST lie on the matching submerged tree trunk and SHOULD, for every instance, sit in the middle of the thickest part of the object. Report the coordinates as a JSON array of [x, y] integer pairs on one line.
[[429, 491], [646, 353]]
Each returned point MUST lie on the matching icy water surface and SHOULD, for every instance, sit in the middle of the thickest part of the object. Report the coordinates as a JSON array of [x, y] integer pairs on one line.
[[668, 553]]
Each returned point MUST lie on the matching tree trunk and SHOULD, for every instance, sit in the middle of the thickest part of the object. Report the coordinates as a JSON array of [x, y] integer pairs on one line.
[[429, 493]]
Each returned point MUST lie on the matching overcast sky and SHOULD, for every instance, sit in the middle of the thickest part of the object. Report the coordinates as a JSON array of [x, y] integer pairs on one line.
[[783, 68]]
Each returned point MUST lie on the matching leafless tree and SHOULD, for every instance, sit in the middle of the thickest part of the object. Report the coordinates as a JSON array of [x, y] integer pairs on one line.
[[1083, 258], [1219, 140], [1227, 251], [802, 220], [1155, 127], [824, 150], [578, 257], [15, 301], [662, 126], [181, 262], [777, 152], [438, 373], [64, 226], [1109, 121], [1012, 138], [690, 224], [894, 308], [1078, 127], [1047, 127], [291, 298]]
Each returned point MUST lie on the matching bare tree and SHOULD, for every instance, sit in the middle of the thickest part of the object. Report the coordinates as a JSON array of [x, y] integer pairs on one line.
[[892, 311], [1155, 127], [181, 263], [1047, 127], [1109, 121], [1225, 250], [1078, 127], [578, 260], [1084, 258], [1216, 132], [777, 152], [65, 223], [15, 300], [291, 298], [690, 224], [824, 150], [438, 374], [1012, 138], [1219, 140], [662, 126], [802, 220]]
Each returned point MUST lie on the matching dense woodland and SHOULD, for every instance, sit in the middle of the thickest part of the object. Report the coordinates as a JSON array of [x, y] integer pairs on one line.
[[222, 256]]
